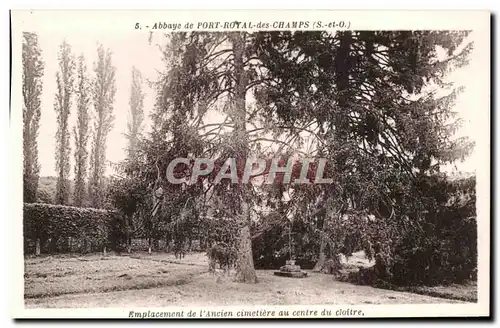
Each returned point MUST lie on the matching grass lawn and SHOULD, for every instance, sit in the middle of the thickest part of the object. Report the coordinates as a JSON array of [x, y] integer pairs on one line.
[[160, 280]]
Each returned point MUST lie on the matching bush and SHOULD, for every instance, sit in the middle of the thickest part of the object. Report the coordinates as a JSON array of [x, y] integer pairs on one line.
[[213, 230], [68, 228], [441, 246], [444, 250], [437, 247], [449, 255]]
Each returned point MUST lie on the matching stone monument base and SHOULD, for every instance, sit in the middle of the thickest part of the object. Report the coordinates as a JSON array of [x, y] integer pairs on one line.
[[300, 274], [291, 270]]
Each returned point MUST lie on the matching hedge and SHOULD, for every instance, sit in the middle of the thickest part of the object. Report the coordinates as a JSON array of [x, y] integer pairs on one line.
[[62, 225]]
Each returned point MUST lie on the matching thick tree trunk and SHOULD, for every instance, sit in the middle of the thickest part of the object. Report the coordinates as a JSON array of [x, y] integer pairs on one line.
[[245, 266], [322, 258], [342, 68]]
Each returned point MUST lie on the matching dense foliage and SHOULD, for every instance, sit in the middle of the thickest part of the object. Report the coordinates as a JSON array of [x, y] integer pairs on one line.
[[103, 95], [62, 106], [81, 133], [33, 70], [443, 247], [375, 104], [87, 229]]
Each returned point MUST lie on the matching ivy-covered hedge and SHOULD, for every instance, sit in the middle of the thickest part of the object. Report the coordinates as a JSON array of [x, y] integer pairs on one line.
[[66, 228]]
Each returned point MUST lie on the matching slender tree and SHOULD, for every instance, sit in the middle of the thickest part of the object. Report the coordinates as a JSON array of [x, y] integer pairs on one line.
[[33, 67], [136, 112], [134, 126], [81, 133], [62, 106], [103, 93]]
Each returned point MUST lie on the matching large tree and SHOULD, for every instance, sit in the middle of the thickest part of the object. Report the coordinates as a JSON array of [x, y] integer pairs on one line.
[[81, 133], [207, 73], [372, 99], [62, 106], [103, 94], [210, 75], [33, 67], [136, 116], [125, 192], [361, 98]]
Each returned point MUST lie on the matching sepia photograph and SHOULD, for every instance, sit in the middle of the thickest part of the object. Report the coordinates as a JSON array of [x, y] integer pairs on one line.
[[250, 164]]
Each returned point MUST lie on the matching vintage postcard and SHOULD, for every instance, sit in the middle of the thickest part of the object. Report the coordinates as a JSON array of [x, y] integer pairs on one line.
[[250, 164]]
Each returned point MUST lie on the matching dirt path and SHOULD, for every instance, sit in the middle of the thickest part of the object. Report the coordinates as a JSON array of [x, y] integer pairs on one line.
[[161, 280], [204, 290]]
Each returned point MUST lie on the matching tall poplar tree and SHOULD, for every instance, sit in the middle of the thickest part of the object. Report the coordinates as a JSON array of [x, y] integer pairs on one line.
[[62, 106], [103, 94], [136, 116], [81, 133], [33, 67]]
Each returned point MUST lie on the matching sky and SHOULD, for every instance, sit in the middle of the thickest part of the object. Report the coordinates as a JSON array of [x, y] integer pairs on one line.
[[128, 50], [133, 49]]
